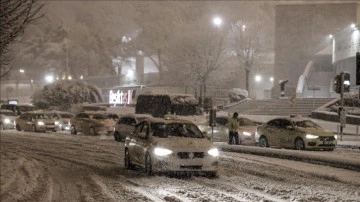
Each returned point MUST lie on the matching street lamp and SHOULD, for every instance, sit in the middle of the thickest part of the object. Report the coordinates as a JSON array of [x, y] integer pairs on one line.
[[217, 21], [21, 70], [257, 78], [49, 78]]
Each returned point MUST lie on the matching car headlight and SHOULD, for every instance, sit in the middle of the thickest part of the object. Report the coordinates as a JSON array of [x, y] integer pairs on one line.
[[40, 123], [162, 152], [310, 136], [335, 136], [7, 121], [213, 152], [246, 133], [57, 122]]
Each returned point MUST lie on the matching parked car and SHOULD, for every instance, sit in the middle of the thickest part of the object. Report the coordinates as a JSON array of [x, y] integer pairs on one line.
[[126, 125], [159, 144], [220, 131], [93, 123], [62, 119], [35, 121], [295, 132], [18, 108], [113, 116], [7, 119]]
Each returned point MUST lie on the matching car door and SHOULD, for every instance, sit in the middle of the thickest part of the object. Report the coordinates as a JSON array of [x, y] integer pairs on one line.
[[133, 143], [143, 143], [288, 134], [23, 121], [130, 124], [78, 122], [220, 129], [273, 132]]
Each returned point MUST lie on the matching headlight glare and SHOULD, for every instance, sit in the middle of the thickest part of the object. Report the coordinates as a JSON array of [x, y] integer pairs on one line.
[[57, 122], [335, 136], [7, 121], [40, 123], [246, 133], [310, 136], [213, 152], [162, 151]]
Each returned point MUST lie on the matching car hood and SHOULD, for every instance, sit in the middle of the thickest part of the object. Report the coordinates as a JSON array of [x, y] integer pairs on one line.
[[183, 144], [105, 122], [197, 119], [316, 131]]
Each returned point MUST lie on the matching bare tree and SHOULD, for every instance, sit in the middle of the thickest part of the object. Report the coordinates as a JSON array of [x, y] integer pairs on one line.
[[199, 55], [249, 42], [15, 16]]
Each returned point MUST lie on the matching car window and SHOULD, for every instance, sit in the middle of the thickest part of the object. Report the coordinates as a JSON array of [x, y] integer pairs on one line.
[[122, 121], [132, 121], [306, 124], [275, 123], [221, 121], [246, 122]]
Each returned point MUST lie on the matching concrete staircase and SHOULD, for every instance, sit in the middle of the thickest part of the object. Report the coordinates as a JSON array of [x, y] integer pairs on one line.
[[281, 107]]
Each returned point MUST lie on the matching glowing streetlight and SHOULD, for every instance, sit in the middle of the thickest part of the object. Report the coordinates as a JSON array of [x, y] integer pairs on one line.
[[69, 77], [49, 78], [257, 78], [271, 79], [81, 77], [331, 36], [21, 70], [217, 21]]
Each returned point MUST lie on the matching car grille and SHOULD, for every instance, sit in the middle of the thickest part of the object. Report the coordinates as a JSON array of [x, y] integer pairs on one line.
[[49, 124], [331, 138], [190, 155]]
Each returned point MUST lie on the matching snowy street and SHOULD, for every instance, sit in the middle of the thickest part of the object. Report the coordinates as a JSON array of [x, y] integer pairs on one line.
[[62, 167]]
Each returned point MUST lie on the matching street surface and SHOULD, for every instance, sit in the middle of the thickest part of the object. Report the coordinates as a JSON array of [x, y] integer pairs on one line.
[[62, 167]]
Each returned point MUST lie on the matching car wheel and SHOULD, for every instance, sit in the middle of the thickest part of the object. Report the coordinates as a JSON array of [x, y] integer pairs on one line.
[[92, 131], [117, 136], [299, 144], [148, 166], [2, 127], [263, 142], [127, 161], [73, 130], [18, 128]]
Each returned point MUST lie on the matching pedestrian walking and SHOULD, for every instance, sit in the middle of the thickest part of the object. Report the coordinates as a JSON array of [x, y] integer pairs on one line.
[[233, 126]]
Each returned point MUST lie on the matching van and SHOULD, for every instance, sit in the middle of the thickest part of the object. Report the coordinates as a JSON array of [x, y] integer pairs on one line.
[[158, 105]]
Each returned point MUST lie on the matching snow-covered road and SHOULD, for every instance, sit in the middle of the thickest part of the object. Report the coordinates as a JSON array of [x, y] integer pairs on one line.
[[62, 167]]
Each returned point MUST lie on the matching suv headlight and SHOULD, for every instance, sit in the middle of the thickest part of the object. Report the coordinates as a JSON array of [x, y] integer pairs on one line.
[[213, 152], [162, 151], [310, 136], [246, 133], [7, 121], [40, 123]]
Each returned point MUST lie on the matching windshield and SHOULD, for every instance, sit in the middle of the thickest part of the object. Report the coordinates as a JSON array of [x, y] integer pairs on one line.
[[177, 130], [26, 108], [100, 116], [306, 124], [40, 116], [66, 116]]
